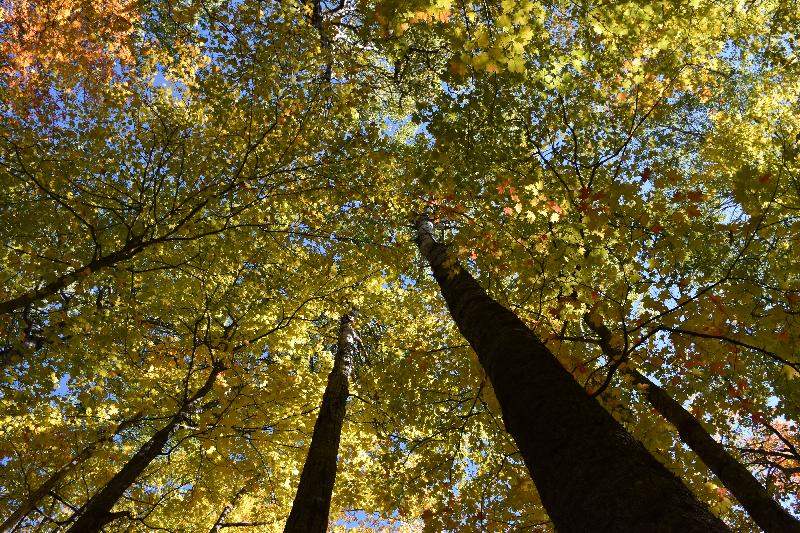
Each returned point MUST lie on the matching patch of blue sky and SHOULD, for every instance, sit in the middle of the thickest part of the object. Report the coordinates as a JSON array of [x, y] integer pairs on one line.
[[357, 518], [62, 389]]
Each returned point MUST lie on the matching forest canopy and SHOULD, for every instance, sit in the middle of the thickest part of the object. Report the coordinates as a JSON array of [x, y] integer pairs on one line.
[[435, 241]]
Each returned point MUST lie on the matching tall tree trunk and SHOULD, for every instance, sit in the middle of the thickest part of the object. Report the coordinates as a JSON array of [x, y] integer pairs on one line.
[[55, 478], [97, 511], [590, 473], [312, 502], [765, 511]]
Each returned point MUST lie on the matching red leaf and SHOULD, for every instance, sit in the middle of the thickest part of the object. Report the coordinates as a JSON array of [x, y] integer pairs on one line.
[[696, 196], [502, 187], [598, 195]]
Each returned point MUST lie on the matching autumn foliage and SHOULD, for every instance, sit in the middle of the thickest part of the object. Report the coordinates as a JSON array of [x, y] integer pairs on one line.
[[193, 193], [80, 40]]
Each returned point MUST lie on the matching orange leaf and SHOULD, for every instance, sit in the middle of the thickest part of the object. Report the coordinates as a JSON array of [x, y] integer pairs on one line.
[[552, 204]]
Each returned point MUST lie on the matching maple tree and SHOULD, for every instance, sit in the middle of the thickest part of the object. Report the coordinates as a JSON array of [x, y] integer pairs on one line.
[[311, 505], [191, 190], [561, 431]]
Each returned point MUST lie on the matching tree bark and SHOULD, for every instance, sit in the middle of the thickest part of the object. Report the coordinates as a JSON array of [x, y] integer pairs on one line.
[[97, 511], [764, 511], [55, 478], [590, 473], [312, 502]]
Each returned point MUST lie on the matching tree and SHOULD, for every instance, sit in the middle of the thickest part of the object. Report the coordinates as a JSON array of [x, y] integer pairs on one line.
[[561, 432], [82, 41], [767, 513], [51, 483], [205, 168], [565, 197], [312, 503], [96, 513]]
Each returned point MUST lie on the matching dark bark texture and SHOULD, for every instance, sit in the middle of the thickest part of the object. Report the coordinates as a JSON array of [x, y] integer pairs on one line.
[[764, 511], [591, 475], [312, 502], [97, 511]]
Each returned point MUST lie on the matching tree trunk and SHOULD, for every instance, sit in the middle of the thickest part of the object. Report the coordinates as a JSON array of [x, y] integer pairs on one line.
[[764, 511], [228, 508], [97, 511], [312, 502], [590, 473], [55, 478]]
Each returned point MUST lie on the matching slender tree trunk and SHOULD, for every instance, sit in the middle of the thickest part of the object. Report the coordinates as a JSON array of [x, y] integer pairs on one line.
[[97, 511], [765, 511], [219, 524], [55, 478], [312, 502], [590, 473]]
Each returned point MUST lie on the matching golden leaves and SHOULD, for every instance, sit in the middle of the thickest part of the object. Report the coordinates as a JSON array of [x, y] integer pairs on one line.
[[75, 38]]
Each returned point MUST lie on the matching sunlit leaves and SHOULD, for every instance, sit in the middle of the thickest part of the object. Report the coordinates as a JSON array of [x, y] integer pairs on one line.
[[249, 172]]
